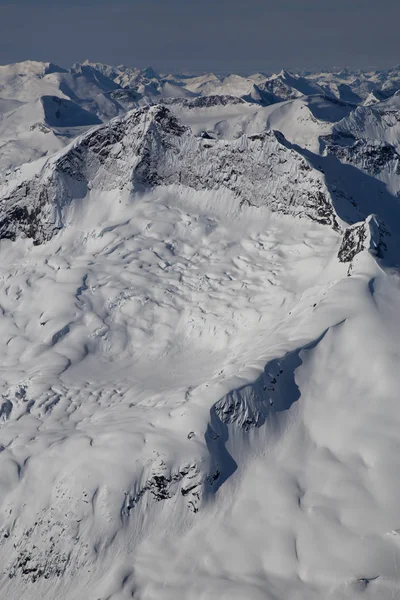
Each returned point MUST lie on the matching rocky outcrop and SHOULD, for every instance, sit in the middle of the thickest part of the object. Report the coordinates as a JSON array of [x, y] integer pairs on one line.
[[367, 235], [371, 156]]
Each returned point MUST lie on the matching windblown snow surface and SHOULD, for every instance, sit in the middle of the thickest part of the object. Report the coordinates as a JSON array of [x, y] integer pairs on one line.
[[199, 356]]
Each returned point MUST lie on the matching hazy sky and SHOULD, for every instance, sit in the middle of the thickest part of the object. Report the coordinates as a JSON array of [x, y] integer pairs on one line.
[[220, 35]]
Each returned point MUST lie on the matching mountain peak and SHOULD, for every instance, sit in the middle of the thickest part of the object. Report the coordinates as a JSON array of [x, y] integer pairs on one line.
[[149, 73], [150, 147]]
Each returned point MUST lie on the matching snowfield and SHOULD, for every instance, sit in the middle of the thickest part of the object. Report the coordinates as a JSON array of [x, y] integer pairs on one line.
[[199, 349]]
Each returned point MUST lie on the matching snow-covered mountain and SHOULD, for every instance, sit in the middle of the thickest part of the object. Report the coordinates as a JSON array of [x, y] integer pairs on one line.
[[43, 106], [285, 86], [42, 126], [199, 309], [149, 147]]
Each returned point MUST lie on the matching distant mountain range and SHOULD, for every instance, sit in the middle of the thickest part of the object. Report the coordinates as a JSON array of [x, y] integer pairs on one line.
[[43, 106]]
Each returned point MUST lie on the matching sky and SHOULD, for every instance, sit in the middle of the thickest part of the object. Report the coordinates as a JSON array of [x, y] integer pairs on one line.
[[203, 35]]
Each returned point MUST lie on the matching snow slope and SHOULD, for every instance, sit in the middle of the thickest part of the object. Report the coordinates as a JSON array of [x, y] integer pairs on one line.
[[199, 354], [163, 307]]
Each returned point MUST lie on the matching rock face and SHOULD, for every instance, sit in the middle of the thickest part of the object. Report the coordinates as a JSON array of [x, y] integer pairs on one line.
[[368, 235], [370, 155], [368, 139], [149, 147], [274, 391], [163, 486]]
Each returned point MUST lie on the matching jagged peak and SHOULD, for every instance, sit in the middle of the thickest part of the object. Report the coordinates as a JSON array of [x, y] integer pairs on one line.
[[286, 74], [142, 118], [283, 74]]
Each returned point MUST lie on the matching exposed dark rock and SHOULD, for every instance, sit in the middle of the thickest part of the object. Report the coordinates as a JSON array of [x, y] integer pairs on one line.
[[368, 235], [353, 242], [162, 487]]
